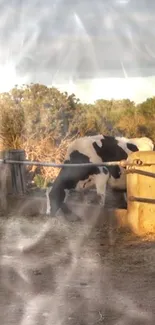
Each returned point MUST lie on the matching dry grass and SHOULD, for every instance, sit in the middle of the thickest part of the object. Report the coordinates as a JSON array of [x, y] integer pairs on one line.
[[46, 150]]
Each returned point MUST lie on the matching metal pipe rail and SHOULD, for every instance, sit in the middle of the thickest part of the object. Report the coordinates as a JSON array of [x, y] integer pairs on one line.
[[140, 172], [141, 199], [121, 163]]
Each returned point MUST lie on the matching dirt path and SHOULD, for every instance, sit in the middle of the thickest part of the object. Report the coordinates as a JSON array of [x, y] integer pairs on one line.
[[55, 273]]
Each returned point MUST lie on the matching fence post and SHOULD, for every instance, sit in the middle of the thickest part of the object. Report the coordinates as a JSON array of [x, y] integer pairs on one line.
[[17, 181], [141, 215]]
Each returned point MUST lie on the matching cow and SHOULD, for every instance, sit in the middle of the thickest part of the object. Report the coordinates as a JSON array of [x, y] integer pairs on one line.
[[93, 149]]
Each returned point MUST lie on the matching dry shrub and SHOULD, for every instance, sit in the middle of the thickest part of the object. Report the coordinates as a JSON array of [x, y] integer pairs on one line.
[[131, 126], [40, 146], [11, 128], [45, 150]]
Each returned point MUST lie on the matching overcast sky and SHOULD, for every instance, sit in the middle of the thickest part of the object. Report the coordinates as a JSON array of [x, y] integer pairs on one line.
[[72, 42]]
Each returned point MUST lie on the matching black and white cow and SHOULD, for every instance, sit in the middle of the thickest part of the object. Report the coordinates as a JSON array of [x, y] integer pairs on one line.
[[93, 149]]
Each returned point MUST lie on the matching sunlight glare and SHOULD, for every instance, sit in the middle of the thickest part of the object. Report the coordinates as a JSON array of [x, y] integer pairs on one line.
[[9, 77], [122, 2]]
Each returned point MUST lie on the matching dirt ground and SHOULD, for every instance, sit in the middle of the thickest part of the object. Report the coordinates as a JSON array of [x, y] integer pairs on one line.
[[54, 272]]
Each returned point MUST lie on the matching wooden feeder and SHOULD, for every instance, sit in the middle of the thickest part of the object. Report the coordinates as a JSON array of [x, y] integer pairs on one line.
[[141, 193]]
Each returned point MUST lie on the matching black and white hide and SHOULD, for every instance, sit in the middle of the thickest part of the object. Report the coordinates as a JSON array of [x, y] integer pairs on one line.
[[93, 149]]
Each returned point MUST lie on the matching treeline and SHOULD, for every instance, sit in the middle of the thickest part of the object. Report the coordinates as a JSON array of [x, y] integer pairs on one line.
[[38, 118]]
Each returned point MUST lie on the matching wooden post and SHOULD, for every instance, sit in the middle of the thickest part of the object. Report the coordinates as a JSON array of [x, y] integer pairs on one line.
[[141, 215], [4, 184], [17, 181]]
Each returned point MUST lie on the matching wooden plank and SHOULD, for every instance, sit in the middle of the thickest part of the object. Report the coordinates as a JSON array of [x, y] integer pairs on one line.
[[17, 171], [140, 193]]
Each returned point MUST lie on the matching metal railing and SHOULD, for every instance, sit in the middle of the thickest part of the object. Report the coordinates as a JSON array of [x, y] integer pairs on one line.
[[121, 163], [141, 199]]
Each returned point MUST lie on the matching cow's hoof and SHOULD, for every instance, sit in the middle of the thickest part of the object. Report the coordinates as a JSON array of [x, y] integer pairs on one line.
[[72, 218], [50, 215]]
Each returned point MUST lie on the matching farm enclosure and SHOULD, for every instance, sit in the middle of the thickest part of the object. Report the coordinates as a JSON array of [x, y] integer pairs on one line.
[[54, 272]]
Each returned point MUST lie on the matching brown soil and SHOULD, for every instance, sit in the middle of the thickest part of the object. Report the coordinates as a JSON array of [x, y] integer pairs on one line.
[[54, 272]]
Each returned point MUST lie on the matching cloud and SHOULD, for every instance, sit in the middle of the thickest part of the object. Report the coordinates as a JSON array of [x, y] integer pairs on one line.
[[90, 90], [53, 41]]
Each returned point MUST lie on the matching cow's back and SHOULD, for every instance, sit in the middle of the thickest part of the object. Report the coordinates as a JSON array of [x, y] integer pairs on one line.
[[84, 145]]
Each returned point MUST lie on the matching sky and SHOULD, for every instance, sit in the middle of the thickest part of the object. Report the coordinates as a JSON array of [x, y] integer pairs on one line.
[[94, 48]]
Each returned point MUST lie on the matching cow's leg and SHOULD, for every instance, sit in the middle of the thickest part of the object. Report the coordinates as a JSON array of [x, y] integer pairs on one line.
[[84, 187], [55, 196], [68, 214], [101, 180], [48, 205], [56, 199]]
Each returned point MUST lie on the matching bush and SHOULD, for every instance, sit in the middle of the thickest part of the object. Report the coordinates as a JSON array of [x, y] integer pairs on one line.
[[43, 121]]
